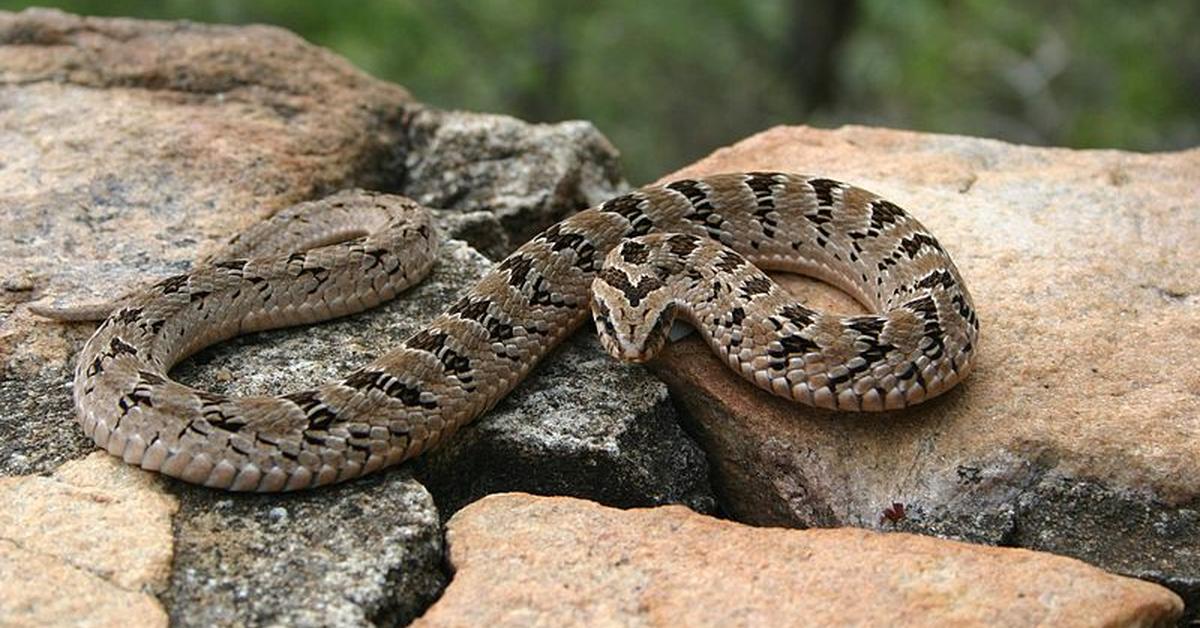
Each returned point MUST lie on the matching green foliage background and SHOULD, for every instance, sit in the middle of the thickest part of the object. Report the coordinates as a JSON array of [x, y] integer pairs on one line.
[[668, 80]]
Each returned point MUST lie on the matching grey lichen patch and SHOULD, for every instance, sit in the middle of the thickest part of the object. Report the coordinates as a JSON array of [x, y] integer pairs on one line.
[[38, 431], [370, 555], [528, 175]]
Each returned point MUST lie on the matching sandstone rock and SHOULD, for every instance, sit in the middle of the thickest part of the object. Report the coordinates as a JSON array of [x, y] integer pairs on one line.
[[89, 545], [521, 560], [1079, 431], [129, 148]]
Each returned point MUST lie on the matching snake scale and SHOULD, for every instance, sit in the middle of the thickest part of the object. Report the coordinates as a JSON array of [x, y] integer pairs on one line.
[[691, 248]]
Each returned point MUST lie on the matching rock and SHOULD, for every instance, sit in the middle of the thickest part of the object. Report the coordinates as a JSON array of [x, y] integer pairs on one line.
[[582, 425], [481, 229], [370, 555], [521, 560], [528, 176], [235, 565], [130, 148], [92, 541], [1078, 432]]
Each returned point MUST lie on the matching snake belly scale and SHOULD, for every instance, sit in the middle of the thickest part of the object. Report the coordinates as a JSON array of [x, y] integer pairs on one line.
[[693, 248]]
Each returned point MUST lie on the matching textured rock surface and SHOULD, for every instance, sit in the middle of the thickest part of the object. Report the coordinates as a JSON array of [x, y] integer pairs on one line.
[[528, 176], [361, 554], [129, 148], [92, 540], [362, 557], [521, 560], [126, 149], [1079, 431], [583, 426]]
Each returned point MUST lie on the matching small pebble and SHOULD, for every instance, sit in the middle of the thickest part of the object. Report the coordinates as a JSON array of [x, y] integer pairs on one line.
[[278, 514], [23, 283]]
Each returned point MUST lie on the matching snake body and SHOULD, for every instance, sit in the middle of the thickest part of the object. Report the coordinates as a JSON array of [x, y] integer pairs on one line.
[[692, 248]]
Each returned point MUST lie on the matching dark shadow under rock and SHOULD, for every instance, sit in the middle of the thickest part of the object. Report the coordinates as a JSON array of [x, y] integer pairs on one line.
[[479, 229]]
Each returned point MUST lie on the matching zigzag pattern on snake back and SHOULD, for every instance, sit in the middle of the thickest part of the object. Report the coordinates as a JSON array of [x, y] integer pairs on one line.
[[362, 250]]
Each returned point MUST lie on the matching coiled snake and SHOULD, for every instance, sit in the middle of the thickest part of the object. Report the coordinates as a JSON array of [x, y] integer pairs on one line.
[[690, 248]]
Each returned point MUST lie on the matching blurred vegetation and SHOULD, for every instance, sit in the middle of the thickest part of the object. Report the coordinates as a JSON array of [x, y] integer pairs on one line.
[[669, 81]]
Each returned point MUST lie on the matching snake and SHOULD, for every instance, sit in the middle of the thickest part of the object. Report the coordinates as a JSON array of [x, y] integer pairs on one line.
[[693, 249]]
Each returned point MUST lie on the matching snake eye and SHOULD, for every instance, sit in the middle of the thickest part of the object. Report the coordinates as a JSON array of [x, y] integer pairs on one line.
[[663, 325], [600, 314]]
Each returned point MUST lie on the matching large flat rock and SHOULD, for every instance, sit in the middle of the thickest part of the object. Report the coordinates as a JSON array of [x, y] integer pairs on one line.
[[1078, 432], [521, 560], [129, 148]]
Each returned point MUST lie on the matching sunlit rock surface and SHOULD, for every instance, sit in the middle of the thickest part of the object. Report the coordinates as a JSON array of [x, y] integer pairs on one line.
[[1079, 430], [521, 560]]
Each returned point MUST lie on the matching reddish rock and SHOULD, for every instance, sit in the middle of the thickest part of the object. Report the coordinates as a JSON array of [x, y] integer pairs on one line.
[[1079, 430], [90, 544], [521, 560]]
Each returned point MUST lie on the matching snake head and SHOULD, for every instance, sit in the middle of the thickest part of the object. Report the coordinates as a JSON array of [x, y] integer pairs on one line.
[[634, 308]]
